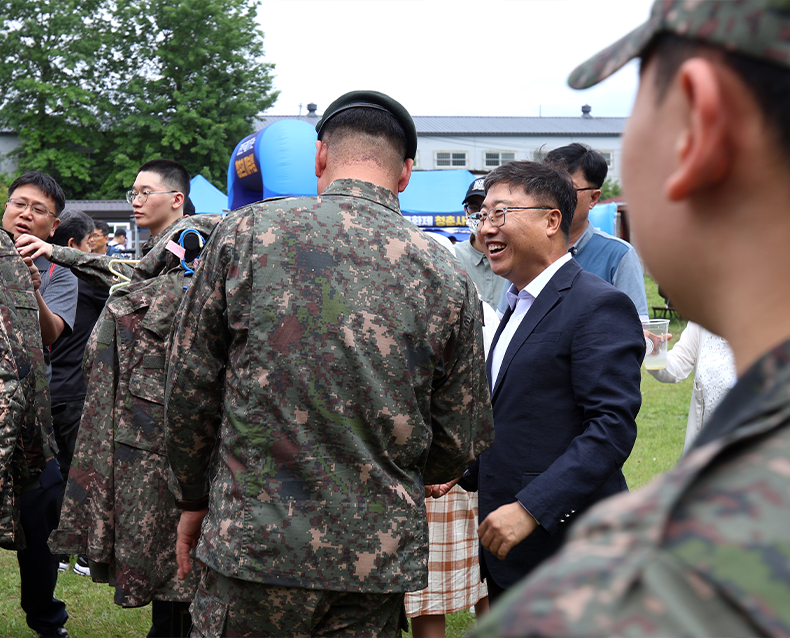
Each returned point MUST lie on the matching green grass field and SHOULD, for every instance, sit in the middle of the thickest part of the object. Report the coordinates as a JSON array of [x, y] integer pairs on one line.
[[661, 431]]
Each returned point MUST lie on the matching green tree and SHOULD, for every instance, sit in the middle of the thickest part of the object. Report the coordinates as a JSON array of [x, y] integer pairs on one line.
[[49, 98], [195, 80], [611, 188]]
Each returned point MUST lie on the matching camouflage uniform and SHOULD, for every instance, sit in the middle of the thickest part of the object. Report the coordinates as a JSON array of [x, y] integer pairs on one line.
[[334, 352], [703, 550], [25, 424], [118, 509]]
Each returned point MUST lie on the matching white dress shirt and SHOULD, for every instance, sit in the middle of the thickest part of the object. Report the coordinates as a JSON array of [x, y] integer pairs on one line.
[[520, 302]]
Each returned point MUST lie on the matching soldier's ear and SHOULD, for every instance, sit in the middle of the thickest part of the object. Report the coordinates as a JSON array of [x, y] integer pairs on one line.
[[321, 152], [405, 175], [702, 151]]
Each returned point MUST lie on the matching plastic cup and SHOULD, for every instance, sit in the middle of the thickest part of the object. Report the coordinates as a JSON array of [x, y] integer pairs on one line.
[[656, 338]]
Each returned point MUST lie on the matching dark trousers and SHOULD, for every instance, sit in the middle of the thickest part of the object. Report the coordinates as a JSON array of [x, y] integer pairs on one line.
[[169, 620], [66, 425], [38, 567]]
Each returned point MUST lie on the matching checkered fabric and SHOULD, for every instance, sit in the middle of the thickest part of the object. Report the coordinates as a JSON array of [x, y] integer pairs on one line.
[[453, 571]]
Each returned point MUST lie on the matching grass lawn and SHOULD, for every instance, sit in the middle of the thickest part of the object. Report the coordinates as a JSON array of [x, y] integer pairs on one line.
[[661, 431]]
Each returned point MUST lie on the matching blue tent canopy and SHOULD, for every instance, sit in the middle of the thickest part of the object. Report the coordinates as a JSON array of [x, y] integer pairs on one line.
[[206, 197]]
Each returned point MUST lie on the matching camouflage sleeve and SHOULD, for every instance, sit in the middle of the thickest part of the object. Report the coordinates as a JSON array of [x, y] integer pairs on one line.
[[91, 268], [199, 346], [461, 416]]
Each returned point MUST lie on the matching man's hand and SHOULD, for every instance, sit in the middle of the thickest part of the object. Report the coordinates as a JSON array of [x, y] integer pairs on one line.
[[30, 246], [439, 490], [35, 275], [187, 539], [504, 528]]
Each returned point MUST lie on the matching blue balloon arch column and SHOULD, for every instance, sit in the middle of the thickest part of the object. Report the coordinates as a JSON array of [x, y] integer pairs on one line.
[[277, 161]]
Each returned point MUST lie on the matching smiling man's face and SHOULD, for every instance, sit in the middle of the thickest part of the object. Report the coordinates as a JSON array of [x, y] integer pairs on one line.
[[520, 249]]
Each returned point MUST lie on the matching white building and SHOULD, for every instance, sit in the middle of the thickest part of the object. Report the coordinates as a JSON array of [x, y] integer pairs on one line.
[[480, 143]]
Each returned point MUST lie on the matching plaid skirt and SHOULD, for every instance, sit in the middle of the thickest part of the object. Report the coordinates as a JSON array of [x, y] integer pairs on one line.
[[453, 570]]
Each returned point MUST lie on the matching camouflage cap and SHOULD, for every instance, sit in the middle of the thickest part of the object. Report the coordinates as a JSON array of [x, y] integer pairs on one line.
[[373, 100], [757, 28]]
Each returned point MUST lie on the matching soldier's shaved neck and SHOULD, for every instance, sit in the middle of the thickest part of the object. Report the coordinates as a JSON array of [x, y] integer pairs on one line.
[[348, 148]]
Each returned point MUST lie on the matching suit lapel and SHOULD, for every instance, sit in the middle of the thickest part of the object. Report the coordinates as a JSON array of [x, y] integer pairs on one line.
[[549, 297]]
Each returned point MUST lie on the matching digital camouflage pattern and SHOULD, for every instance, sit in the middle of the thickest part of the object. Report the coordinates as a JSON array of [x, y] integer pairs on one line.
[[703, 550], [757, 28], [228, 607], [334, 352], [26, 439], [118, 509]]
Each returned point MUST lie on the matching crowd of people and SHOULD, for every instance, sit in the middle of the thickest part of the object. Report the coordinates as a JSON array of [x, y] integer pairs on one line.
[[281, 421]]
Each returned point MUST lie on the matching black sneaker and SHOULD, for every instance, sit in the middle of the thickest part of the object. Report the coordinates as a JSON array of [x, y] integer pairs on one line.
[[60, 632], [81, 566]]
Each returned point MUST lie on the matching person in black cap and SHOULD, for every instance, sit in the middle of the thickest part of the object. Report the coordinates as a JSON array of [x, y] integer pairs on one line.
[[472, 256], [327, 363]]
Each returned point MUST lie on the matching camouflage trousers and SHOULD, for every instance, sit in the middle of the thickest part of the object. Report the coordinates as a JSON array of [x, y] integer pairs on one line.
[[228, 607]]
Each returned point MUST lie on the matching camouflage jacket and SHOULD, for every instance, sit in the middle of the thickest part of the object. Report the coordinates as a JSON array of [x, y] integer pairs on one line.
[[26, 441], [118, 509], [336, 351], [703, 550]]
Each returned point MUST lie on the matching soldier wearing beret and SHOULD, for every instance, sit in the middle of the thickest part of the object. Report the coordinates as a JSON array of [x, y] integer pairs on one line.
[[326, 365], [705, 549]]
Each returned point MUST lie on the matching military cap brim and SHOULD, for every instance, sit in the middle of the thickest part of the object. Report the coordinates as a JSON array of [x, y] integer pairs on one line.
[[373, 100], [756, 28]]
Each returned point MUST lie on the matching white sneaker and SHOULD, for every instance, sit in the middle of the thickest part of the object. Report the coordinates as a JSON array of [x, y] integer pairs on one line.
[[81, 566]]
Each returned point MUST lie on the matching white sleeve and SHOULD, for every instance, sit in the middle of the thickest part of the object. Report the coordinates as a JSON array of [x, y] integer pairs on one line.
[[682, 358]]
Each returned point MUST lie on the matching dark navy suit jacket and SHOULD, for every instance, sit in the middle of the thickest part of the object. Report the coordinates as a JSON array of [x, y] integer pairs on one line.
[[565, 405]]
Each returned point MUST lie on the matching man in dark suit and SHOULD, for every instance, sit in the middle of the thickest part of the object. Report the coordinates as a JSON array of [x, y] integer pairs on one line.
[[564, 373]]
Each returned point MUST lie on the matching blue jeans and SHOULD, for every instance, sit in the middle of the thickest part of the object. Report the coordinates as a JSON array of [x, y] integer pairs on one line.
[[38, 567]]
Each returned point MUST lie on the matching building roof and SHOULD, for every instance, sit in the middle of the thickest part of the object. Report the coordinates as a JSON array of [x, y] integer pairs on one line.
[[438, 125]]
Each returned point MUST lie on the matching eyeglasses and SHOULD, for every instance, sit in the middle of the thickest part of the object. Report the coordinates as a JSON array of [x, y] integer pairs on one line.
[[587, 188], [142, 196], [18, 206], [497, 216], [471, 209]]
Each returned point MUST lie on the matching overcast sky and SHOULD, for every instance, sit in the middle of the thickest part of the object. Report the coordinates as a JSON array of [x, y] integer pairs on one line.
[[493, 57]]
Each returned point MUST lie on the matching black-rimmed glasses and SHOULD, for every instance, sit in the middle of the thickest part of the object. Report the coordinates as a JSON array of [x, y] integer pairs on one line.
[[497, 216]]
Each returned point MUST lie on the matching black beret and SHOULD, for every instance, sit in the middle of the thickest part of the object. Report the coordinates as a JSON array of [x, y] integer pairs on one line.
[[374, 100]]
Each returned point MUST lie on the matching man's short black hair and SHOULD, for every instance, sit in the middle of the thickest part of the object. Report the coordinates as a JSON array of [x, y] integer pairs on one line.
[[368, 121], [104, 227], [172, 173], [769, 83], [551, 186], [576, 156], [120, 232], [74, 224], [45, 183]]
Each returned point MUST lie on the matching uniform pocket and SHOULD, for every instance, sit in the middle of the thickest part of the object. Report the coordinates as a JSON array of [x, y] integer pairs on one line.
[[142, 423], [209, 614]]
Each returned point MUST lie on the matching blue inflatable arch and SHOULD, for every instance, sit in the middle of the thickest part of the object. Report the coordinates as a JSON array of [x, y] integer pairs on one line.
[[277, 161]]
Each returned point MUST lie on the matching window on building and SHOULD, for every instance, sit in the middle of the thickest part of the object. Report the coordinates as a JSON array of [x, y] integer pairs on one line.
[[609, 157], [539, 154], [497, 158], [417, 158], [451, 159]]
